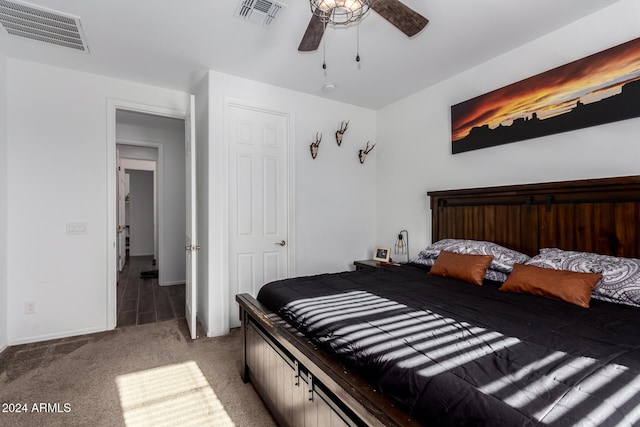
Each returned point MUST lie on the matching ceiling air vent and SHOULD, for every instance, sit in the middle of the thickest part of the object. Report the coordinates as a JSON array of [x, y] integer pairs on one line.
[[261, 12], [45, 25]]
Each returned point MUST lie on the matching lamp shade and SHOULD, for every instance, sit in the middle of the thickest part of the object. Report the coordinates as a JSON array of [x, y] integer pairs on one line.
[[402, 244]]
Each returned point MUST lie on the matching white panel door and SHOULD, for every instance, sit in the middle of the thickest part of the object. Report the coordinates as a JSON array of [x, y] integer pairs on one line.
[[191, 243], [258, 201]]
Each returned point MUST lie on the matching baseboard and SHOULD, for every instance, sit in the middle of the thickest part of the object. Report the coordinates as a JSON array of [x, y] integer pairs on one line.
[[55, 336], [215, 334], [218, 333], [3, 348], [151, 254], [177, 282]]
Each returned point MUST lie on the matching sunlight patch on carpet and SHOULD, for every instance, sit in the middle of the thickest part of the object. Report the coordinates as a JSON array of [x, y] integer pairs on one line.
[[170, 395]]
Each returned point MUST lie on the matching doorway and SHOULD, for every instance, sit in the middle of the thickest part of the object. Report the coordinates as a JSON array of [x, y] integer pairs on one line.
[[137, 201], [140, 298], [144, 127], [140, 214]]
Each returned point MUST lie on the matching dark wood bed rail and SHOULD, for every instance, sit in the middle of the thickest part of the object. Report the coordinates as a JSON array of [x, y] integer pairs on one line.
[[593, 215], [349, 389]]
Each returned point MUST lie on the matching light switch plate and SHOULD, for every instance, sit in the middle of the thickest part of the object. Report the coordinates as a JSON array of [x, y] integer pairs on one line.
[[76, 228]]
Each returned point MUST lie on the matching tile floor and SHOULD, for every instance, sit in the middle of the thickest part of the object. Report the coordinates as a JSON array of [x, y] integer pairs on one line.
[[142, 300]]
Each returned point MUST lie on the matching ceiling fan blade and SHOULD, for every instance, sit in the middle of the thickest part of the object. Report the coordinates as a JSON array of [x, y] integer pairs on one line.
[[312, 37], [404, 18]]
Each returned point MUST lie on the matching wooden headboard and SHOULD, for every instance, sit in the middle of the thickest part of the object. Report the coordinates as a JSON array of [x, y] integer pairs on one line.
[[593, 215]]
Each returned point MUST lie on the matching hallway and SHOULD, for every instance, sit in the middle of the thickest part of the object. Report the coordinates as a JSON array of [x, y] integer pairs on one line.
[[143, 301]]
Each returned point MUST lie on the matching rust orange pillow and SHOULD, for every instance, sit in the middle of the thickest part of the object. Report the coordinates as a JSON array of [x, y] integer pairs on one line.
[[470, 268], [564, 285]]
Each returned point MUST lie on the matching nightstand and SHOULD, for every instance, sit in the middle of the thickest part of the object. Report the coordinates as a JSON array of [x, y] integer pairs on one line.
[[366, 264]]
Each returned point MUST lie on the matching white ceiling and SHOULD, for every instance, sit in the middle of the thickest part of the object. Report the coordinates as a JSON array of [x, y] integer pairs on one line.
[[172, 44]]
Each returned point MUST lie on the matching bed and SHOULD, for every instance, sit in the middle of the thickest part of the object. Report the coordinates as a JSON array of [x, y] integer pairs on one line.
[[403, 347]]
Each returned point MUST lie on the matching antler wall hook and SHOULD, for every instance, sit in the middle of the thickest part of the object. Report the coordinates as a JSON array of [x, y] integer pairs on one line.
[[363, 153], [343, 128], [314, 145]]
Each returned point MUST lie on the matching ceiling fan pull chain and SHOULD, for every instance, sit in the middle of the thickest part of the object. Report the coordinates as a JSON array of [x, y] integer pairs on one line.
[[358, 42], [324, 53]]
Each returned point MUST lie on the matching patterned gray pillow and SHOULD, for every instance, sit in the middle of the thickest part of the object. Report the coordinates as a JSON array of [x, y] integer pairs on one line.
[[495, 275], [620, 276], [503, 258], [423, 261], [490, 274]]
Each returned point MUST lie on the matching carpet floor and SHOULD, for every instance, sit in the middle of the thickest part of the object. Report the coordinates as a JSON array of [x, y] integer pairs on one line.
[[148, 375]]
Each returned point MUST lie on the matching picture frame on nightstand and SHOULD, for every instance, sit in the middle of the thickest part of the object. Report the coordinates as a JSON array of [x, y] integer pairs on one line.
[[382, 254]]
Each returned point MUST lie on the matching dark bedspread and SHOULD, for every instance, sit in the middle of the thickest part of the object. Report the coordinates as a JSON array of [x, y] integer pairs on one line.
[[453, 353]]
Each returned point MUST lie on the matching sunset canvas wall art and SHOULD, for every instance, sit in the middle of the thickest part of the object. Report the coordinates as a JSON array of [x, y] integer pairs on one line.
[[598, 89]]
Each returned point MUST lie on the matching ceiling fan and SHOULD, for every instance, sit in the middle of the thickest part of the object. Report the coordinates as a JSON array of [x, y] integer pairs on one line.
[[401, 16]]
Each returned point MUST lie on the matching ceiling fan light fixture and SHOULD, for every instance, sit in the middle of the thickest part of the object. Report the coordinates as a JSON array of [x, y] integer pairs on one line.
[[340, 12]]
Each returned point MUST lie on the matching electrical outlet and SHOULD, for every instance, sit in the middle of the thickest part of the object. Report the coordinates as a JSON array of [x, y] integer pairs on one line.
[[30, 307]]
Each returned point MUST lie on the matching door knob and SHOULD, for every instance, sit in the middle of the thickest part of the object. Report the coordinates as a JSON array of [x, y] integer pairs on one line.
[[281, 243]]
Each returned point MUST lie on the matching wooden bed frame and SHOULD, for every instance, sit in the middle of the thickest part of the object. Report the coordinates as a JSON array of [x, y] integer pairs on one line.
[[594, 215], [302, 385]]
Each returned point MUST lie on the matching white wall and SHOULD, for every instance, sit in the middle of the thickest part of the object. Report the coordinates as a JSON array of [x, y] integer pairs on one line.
[[335, 196], [141, 213], [57, 173], [169, 133], [414, 134], [3, 203]]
